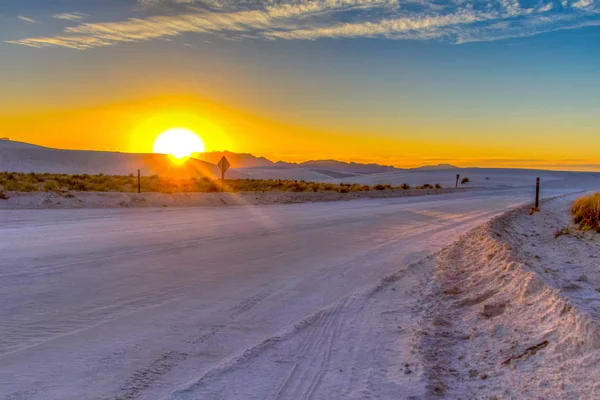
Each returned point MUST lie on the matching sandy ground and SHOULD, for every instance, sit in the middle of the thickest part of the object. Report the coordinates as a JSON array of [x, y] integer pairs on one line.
[[192, 303], [514, 313], [485, 177], [36, 200]]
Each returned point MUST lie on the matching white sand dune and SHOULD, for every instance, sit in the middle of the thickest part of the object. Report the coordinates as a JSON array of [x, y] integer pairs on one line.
[[24, 157], [513, 311], [478, 177], [484, 177], [295, 173]]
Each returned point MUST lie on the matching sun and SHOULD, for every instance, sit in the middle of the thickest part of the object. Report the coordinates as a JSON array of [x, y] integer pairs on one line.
[[179, 143]]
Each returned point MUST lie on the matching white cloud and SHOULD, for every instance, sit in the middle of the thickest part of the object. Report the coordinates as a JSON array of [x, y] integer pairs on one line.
[[31, 21], [584, 4], [315, 19], [392, 28], [75, 16]]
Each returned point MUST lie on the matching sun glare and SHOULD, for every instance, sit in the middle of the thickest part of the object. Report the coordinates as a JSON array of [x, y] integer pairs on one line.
[[179, 143]]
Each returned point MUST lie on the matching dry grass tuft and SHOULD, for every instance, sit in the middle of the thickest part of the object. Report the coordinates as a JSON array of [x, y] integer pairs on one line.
[[586, 212], [561, 232]]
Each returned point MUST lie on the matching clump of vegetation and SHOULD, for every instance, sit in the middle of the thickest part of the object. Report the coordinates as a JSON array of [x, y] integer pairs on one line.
[[63, 184], [465, 180], [51, 186], [438, 186], [562, 231], [586, 212]]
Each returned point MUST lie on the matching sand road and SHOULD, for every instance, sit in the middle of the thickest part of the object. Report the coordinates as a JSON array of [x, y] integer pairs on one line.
[[233, 302]]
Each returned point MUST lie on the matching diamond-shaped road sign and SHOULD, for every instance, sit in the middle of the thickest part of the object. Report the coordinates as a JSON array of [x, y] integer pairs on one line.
[[224, 165]]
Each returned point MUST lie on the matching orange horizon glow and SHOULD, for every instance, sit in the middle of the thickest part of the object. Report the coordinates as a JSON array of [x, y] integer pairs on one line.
[[133, 126]]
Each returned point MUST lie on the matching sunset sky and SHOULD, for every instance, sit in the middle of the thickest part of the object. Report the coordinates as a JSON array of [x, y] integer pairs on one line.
[[474, 83]]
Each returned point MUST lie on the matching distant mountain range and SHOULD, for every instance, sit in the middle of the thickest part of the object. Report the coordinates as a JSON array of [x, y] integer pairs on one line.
[[245, 160], [25, 157], [237, 160]]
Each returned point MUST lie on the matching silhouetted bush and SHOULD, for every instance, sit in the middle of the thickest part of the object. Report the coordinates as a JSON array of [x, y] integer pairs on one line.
[[465, 180]]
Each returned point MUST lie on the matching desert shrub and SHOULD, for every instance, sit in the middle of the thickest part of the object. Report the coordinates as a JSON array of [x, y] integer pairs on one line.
[[16, 185], [28, 187], [3, 196], [33, 178], [9, 185], [379, 187], [586, 212], [427, 186], [438, 186], [562, 231], [465, 180], [128, 183], [404, 186], [51, 186]]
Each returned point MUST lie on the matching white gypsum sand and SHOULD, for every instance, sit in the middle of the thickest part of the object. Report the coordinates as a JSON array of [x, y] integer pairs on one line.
[[143, 303], [58, 200], [513, 312]]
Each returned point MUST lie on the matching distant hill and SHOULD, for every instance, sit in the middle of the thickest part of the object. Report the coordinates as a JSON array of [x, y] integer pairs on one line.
[[341, 166], [237, 160], [331, 167], [24, 157], [435, 167]]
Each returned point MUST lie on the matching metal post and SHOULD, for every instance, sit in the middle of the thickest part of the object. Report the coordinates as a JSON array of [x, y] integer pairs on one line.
[[537, 193], [139, 181], [222, 181], [457, 178]]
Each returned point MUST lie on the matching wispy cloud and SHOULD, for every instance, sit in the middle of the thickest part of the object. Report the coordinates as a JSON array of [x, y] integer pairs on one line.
[[26, 19], [584, 4], [455, 21], [75, 16]]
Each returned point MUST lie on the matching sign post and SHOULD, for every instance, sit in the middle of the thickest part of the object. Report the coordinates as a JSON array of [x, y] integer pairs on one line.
[[139, 181], [223, 166], [457, 178], [537, 193]]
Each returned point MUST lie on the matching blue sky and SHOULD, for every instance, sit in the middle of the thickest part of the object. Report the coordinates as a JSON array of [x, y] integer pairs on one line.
[[487, 72], [451, 21]]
